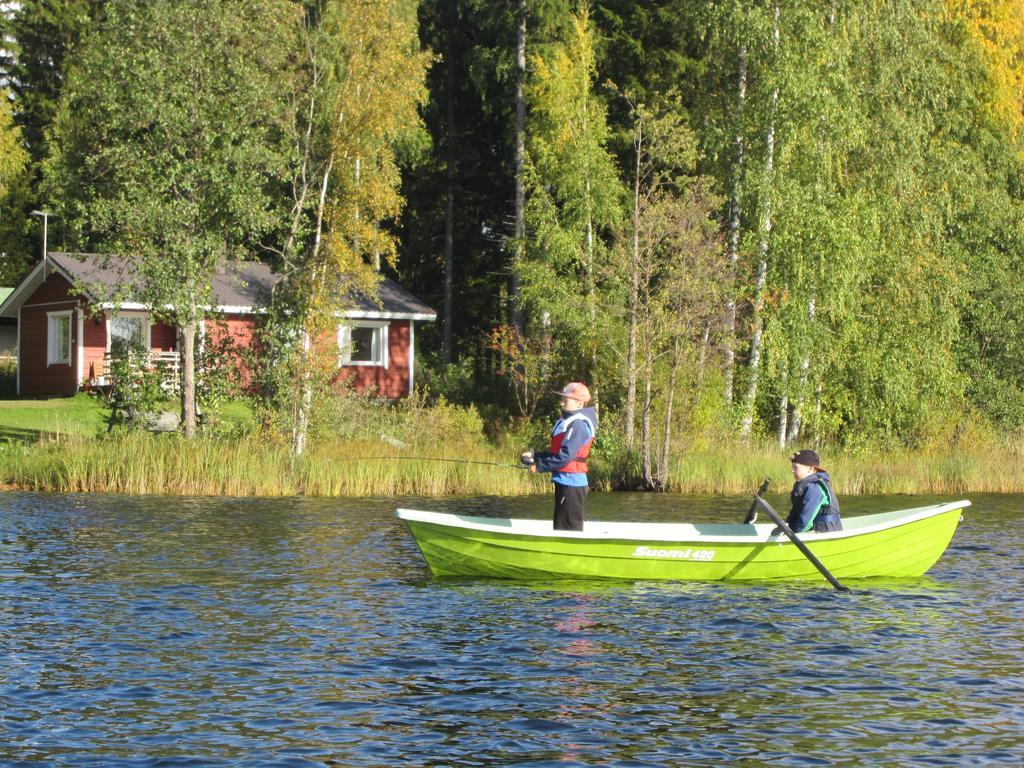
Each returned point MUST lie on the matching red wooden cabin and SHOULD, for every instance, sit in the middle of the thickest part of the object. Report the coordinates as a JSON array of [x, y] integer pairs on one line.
[[66, 337]]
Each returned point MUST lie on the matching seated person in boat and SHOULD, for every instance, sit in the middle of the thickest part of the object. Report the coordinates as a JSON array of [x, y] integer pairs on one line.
[[566, 459], [814, 503]]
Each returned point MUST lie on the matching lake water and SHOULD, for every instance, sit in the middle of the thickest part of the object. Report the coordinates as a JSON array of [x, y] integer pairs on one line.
[[308, 632]]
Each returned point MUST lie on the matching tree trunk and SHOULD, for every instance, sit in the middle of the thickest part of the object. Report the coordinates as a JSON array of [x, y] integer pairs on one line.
[[703, 359], [818, 394], [187, 336], [595, 385], [449, 211], [750, 400], [301, 431], [305, 404], [647, 374], [645, 430], [783, 411], [634, 299], [735, 216], [520, 181], [666, 436], [796, 421]]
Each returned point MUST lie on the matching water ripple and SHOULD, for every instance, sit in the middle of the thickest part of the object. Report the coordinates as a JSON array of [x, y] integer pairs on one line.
[[224, 632]]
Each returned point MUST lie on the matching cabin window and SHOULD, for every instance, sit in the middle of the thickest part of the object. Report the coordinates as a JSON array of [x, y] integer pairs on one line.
[[363, 343], [128, 331], [58, 338]]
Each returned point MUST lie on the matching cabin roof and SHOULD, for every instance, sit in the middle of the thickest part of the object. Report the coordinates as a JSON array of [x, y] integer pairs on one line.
[[241, 287]]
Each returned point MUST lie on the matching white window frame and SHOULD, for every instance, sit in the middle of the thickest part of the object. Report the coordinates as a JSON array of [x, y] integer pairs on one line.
[[53, 351], [147, 326], [380, 338]]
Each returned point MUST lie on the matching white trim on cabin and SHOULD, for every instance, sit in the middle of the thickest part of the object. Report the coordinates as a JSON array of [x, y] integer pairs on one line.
[[360, 314], [23, 287], [227, 309], [147, 325], [379, 357], [412, 353], [50, 303], [17, 368], [80, 347], [54, 354]]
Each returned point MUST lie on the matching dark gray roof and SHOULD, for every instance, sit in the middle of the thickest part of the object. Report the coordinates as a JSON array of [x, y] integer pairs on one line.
[[104, 275], [243, 285]]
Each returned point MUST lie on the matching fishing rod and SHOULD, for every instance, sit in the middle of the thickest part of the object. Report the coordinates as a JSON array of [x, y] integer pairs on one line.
[[431, 458], [391, 441]]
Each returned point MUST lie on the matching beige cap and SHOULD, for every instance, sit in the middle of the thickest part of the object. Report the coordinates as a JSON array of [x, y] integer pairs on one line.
[[576, 391]]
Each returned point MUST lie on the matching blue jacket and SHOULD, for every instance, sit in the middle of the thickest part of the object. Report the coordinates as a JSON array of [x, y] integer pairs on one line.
[[578, 436], [814, 505]]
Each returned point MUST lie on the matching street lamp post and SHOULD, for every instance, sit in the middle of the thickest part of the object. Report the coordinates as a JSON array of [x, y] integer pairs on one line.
[[46, 217]]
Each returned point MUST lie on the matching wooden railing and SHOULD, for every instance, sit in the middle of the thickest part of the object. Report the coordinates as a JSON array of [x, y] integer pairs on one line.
[[168, 361]]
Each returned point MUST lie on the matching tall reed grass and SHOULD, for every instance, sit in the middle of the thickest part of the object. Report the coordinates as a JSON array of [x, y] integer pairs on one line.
[[140, 463], [143, 463], [951, 471]]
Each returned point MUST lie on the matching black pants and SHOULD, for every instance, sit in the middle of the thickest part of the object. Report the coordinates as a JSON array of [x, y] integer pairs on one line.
[[570, 505]]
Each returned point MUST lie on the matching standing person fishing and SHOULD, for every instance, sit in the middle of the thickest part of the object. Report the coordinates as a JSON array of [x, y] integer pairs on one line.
[[566, 459]]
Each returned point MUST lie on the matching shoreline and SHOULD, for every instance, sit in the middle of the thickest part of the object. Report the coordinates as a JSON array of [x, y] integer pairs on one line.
[[143, 464]]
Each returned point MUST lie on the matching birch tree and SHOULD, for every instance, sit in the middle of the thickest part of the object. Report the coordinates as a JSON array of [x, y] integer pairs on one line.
[[675, 277], [168, 133], [363, 83], [574, 195], [763, 244]]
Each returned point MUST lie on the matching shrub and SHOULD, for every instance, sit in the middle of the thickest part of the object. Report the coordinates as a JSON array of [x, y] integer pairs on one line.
[[8, 377], [136, 390], [219, 372]]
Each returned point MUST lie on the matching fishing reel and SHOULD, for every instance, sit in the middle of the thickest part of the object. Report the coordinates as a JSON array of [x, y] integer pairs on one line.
[[526, 459]]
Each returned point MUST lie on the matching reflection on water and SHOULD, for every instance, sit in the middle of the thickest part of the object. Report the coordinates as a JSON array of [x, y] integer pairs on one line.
[[162, 631]]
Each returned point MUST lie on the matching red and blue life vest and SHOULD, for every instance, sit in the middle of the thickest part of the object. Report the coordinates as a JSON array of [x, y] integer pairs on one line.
[[558, 435]]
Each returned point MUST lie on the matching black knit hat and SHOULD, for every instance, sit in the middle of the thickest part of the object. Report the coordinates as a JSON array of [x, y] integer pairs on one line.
[[806, 457]]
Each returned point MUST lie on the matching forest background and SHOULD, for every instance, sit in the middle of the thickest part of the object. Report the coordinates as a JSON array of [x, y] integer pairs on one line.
[[747, 226]]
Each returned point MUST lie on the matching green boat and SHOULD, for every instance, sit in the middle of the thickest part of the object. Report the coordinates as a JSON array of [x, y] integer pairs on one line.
[[898, 544]]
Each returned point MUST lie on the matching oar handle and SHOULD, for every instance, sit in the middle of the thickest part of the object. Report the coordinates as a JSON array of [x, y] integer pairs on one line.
[[777, 519], [752, 512]]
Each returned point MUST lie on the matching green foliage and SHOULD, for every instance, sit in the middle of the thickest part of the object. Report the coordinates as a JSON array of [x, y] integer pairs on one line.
[[526, 364], [360, 82], [893, 312], [455, 382], [892, 201], [136, 391], [289, 386], [168, 129], [14, 184], [221, 368], [574, 200], [43, 33], [8, 377], [13, 156]]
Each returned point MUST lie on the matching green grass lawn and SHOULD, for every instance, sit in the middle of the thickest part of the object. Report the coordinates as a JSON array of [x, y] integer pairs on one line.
[[24, 419]]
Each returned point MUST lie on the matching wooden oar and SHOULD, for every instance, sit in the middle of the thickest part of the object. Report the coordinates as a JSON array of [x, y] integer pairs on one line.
[[799, 544], [751, 517]]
